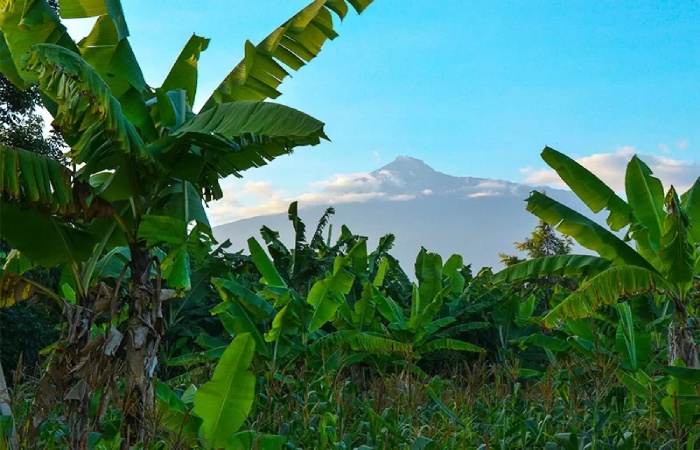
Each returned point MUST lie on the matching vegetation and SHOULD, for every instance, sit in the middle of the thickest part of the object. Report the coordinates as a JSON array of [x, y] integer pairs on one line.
[[159, 339]]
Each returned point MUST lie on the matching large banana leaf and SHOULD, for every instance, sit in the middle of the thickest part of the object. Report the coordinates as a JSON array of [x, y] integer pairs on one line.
[[89, 117], [252, 440], [238, 320], [80, 9], [174, 414], [586, 232], [235, 137], [42, 238], [182, 201], [369, 343], [25, 23], [264, 265], [589, 188], [583, 266], [677, 254], [449, 344], [356, 259], [29, 177], [365, 309], [428, 268], [645, 195], [327, 295], [281, 256], [634, 346], [299, 253], [224, 402], [605, 289], [451, 270], [183, 74], [388, 307], [112, 57], [549, 343], [231, 291], [293, 44], [691, 204], [363, 342], [155, 229], [277, 123]]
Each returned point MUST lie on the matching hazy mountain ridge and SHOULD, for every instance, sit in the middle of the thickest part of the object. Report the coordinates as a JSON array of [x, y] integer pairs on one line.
[[474, 217]]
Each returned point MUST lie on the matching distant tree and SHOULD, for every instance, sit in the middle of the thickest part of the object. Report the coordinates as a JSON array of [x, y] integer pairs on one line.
[[544, 241], [21, 125], [29, 327]]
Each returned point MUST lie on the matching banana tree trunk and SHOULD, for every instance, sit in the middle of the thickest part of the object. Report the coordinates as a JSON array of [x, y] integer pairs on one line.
[[682, 345], [142, 340], [5, 410]]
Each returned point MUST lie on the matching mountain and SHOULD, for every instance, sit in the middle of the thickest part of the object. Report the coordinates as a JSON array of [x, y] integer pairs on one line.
[[475, 217]]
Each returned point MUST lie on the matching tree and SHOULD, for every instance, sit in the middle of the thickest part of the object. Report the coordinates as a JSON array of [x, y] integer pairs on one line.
[[145, 163], [544, 241], [664, 227], [22, 126]]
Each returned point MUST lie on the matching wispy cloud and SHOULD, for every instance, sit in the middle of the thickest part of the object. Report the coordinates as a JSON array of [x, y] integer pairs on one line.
[[485, 194], [254, 198]]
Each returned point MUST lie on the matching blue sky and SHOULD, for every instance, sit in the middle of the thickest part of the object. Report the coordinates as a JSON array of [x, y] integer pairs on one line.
[[471, 88]]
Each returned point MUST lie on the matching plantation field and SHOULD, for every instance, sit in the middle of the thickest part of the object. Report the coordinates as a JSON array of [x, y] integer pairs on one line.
[[125, 325]]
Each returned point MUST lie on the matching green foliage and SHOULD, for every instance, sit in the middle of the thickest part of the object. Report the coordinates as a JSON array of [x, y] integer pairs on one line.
[[224, 402], [542, 243], [129, 196], [665, 259], [318, 344]]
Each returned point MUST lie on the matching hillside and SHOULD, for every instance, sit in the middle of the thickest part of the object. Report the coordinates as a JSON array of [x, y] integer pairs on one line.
[[475, 217]]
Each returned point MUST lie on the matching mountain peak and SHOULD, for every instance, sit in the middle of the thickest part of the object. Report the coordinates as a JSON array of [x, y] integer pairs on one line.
[[406, 164]]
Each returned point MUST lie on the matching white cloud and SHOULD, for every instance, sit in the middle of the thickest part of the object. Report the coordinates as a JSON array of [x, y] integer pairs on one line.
[[611, 167], [491, 184], [401, 197], [362, 182], [525, 169], [427, 192], [664, 148], [262, 189], [254, 198], [485, 194], [315, 198]]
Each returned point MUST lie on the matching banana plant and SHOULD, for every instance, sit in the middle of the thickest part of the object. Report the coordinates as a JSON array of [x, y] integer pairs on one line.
[[419, 330], [305, 261], [663, 226], [292, 319], [216, 411], [141, 160], [308, 303]]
